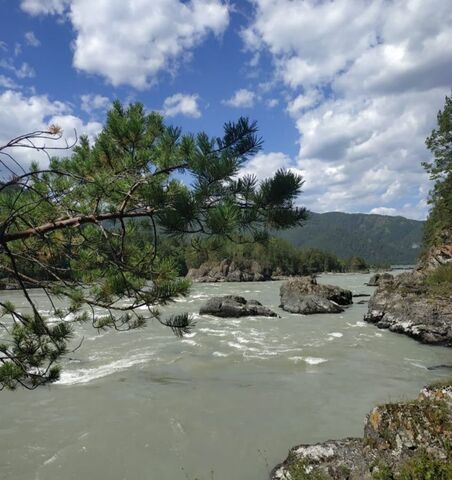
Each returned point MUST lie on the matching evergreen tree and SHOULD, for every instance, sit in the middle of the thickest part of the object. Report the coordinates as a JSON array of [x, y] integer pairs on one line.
[[87, 228], [439, 223]]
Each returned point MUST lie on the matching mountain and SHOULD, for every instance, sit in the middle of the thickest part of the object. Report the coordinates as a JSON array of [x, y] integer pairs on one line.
[[375, 238]]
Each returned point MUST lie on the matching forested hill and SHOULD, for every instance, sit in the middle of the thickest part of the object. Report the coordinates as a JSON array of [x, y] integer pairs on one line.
[[376, 238]]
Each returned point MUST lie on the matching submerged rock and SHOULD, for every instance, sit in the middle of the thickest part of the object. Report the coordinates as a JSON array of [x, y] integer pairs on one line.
[[380, 278], [400, 439], [234, 306], [304, 295], [407, 306]]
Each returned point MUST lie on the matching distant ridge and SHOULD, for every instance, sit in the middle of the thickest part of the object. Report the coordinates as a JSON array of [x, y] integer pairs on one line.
[[376, 238]]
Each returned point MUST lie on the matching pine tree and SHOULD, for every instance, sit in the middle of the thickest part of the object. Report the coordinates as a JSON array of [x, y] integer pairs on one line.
[[88, 227], [438, 227]]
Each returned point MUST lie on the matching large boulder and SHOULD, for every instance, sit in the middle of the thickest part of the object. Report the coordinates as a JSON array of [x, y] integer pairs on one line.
[[234, 306], [304, 295], [401, 440], [229, 271]]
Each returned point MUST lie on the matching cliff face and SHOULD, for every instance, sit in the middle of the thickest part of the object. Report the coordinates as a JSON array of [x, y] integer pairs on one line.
[[437, 257], [418, 304], [409, 440]]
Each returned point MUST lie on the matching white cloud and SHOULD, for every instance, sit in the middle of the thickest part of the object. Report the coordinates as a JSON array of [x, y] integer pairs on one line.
[[20, 114], [181, 104], [31, 39], [131, 42], [6, 82], [367, 79], [264, 165], [272, 102], [44, 7], [384, 211], [24, 71], [92, 102], [242, 98], [304, 101]]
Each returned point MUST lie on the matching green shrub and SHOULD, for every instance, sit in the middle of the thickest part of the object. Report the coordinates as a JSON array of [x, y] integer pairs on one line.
[[423, 467], [440, 280]]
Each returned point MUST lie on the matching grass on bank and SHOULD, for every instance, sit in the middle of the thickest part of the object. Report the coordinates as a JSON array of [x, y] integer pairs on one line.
[[440, 280]]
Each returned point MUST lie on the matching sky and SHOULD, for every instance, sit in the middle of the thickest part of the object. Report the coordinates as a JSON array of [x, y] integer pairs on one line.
[[344, 91]]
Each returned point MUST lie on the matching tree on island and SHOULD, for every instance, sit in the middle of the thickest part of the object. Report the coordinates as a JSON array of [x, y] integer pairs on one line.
[[86, 229]]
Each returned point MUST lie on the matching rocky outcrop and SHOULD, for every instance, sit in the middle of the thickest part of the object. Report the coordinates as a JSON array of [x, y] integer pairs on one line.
[[407, 305], [304, 295], [409, 440], [379, 279], [437, 256], [229, 271], [234, 306]]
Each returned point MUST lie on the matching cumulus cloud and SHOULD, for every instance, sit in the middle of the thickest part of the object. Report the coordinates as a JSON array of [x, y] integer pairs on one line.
[[367, 79], [131, 42], [181, 104], [304, 101], [44, 7], [384, 211], [264, 165], [22, 114], [242, 98], [31, 39], [94, 102]]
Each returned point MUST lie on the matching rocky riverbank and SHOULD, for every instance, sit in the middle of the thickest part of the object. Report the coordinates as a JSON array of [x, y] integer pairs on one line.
[[419, 303], [409, 305], [407, 440]]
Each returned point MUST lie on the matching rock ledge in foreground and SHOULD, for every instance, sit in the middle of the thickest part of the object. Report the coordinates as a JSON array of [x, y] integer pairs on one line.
[[400, 439]]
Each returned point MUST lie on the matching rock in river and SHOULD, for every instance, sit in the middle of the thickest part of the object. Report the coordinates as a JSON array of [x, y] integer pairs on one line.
[[229, 271], [234, 306], [304, 295]]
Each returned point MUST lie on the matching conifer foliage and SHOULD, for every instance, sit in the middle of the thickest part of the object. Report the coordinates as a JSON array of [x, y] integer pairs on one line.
[[438, 228], [86, 229]]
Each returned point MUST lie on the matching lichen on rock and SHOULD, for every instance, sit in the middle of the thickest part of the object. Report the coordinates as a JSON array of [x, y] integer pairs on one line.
[[407, 441]]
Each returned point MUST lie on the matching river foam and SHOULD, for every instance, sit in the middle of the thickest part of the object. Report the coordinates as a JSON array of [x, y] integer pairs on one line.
[[86, 375]]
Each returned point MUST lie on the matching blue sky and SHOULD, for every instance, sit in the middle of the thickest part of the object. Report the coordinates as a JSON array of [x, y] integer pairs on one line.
[[343, 91]]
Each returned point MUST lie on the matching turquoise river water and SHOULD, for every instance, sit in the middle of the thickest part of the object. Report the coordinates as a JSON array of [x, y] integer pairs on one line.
[[224, 403]]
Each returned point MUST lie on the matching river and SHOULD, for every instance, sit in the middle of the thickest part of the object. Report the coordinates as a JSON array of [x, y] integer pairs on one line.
[[224, 403]]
